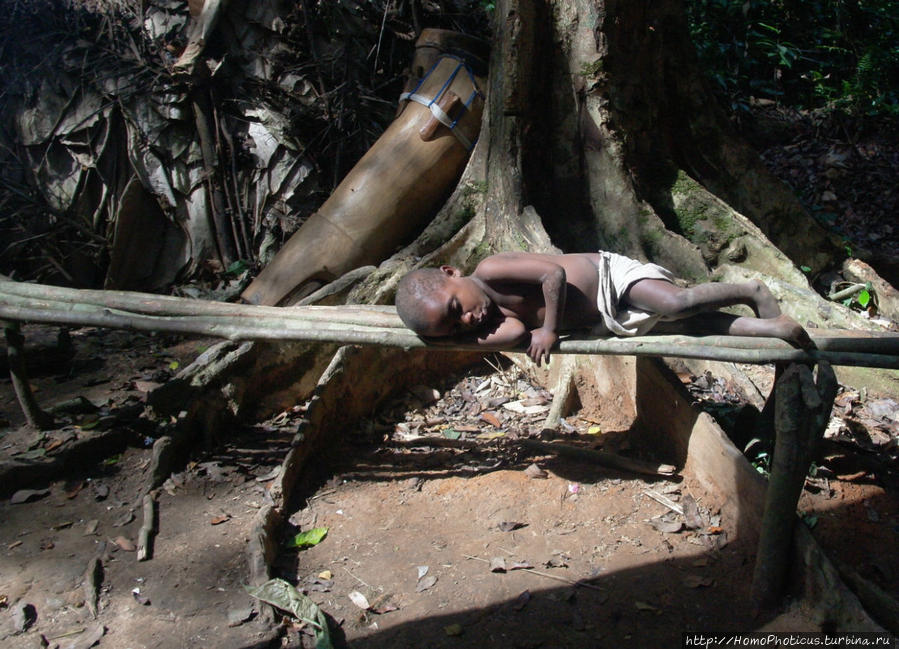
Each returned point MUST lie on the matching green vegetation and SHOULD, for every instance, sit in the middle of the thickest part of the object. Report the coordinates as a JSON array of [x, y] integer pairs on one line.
[[475, 187], [591, 69], [482, 250], [688, 210], [652, 242], [696, 214], [837, 54], [467, 211]]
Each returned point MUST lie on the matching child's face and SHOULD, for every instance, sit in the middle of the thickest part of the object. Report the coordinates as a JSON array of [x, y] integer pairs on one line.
[[459, 305]]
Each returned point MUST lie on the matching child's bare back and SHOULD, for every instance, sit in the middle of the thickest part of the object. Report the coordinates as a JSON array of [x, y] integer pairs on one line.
[[519, 297]]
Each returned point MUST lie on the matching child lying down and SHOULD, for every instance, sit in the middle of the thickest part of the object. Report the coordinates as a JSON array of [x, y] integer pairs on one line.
[[517, 298]]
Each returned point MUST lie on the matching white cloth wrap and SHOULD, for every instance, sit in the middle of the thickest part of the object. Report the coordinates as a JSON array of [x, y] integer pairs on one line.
[[616, 274]]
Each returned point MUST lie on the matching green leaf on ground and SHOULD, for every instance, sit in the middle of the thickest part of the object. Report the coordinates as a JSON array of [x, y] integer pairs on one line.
[[282, 595], [237, 267], [308, 538], [453, 629]]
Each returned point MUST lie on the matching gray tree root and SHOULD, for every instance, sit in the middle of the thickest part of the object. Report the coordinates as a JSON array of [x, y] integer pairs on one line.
[[562, 395], [600, 457]]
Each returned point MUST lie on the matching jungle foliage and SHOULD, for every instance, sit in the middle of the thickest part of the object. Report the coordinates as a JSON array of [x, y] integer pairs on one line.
[[837, 54]]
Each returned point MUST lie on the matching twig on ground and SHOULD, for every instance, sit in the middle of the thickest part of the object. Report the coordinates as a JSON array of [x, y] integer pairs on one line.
[[670, 504], [147, 529], [572, 582]]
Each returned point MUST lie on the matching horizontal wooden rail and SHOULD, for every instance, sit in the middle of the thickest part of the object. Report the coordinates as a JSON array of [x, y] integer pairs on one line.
[[379, 325]]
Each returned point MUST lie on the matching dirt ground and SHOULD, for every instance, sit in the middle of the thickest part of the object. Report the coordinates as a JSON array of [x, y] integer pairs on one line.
[[583, 569], [434, 513]]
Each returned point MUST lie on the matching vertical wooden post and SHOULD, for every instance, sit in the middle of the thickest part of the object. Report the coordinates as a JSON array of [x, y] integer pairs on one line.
[[801, 411], [15, 352]]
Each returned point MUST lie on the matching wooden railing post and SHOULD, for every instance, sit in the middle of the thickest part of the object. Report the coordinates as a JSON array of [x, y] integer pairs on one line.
[[15, 352], [801, 411]]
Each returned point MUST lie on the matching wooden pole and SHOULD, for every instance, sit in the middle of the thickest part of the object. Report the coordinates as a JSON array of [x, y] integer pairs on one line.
[[15, 343], [801, 411], [379, 325]]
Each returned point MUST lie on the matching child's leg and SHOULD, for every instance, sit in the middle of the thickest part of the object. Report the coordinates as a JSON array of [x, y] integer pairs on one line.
[[716, 322], [674, 302], [699, 304]]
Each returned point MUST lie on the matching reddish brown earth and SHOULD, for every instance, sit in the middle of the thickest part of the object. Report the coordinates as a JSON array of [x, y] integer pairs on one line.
[[420, 485]]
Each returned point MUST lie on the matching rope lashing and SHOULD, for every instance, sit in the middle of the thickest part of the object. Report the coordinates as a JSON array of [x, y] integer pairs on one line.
[[431, 102]]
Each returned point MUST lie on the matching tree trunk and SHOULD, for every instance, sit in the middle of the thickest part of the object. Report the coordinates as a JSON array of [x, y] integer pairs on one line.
[[600, 119], [600, 133]]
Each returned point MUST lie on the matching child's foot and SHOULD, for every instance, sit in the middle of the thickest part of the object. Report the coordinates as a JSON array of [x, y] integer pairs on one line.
[[784, 327], [765, 303]]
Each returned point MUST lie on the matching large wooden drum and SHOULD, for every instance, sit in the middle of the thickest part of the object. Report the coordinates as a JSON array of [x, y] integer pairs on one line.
[[399, 184]]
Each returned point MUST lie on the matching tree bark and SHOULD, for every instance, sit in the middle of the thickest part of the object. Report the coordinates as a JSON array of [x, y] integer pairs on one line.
[[801, 412]]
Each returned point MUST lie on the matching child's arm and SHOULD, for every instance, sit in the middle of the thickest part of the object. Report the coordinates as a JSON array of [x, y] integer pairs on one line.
[[528, 268], [508, 332]]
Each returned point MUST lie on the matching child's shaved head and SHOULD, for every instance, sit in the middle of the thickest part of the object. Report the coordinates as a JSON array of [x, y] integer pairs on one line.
[[413, 293]]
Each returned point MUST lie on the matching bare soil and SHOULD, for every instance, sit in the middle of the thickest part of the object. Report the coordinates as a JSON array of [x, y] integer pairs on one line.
[[518, 561], [421, 503]]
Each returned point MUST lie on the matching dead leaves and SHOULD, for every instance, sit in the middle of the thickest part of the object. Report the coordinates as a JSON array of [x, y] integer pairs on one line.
[[28, 495], [698, 581], [692, 518], [703, 527], [425, 581], [501, 405], [359, 600], [667, 526], [491, 419]]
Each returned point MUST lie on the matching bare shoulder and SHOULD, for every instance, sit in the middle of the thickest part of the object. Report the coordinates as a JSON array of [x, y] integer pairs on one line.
[[502, 258], [514, 265], [531, 266]]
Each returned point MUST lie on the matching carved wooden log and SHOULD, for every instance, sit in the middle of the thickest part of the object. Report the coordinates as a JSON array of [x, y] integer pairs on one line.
[[396, 186]]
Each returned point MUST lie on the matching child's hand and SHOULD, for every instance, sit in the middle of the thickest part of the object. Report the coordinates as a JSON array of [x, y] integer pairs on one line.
[[542, 340]]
